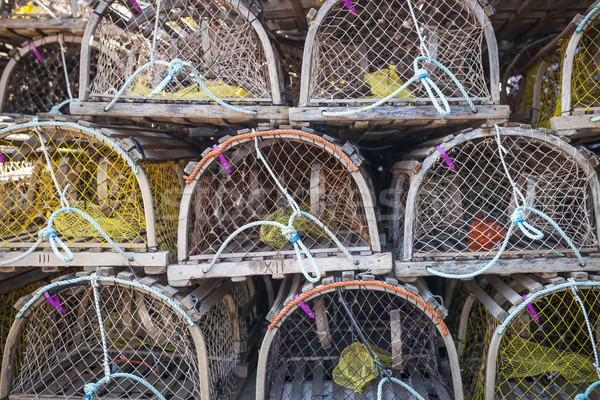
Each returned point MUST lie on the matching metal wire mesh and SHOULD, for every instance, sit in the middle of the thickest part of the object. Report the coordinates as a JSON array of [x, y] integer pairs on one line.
[[323, 358], [35, 86], [467, 211], [317, 180], [100, 183], [145, 337], [585, 81], [370, 54], [30, 9], [222, 351], [214, 36], [552, 358], [550, 87], [242, 295]]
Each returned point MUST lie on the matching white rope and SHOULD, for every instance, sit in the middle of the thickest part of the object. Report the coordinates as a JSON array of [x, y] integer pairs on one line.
[[48, 11], [517, 219], [64, 64], [106, 363], [288, 231], [574, 290]]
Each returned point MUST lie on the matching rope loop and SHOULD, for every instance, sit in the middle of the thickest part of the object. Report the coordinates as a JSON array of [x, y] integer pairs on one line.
[[175, 68]]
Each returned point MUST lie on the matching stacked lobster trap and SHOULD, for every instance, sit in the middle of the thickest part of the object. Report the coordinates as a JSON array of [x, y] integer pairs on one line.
[[370, 51], [123, 337], [580, 93], [82, 191], [32, 18], [42, 75], [356, 337], [455, 206], [256, 200], [177, 60], [530, 337]]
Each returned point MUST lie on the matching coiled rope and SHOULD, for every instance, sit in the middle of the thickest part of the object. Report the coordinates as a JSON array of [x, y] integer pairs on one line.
[[48, 232], [175, 67], [91, 388], [518, 219], [288, 231], [420, 75]]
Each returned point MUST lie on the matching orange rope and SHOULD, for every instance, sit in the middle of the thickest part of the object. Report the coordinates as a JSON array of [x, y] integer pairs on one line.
[[252, 135], [360, 283]]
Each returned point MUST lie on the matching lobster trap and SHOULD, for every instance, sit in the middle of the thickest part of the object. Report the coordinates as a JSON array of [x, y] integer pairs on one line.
[[210, 51], [455, 204], [524, 106], [127, 181], [153, 333], [360, 53], [258, 178], [31, 18], [580, 99], [542, 350], [42, 76], [343, 339]]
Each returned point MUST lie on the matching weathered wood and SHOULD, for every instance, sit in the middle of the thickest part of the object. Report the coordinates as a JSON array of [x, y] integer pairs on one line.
[[575, 122], [85, 259], [494, 308]]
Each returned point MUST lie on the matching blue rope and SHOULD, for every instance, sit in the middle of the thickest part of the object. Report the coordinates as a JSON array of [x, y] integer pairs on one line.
[[391, 379], [111, 279], [589, 15], [56, 109], [586, 395], [91, 388], [430, 87], [176, 66]]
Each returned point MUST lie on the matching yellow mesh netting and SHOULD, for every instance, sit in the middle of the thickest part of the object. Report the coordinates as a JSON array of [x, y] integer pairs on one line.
[[552, 356], [527, 97], [550, 89], [356, 367], [94, 178], [585, 80]]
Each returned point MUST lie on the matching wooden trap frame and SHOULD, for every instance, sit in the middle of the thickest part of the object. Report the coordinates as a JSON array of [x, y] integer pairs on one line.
[[580, 97], [223, 40], [145, 335], [320, 177], [39, 79], [328, 354], [33, 18], [96, 170], [453, 203], [354, 58], [545, 352]]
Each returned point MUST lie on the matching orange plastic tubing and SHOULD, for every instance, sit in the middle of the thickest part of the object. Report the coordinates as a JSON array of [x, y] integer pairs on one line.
[[360, 283], [252, 135]]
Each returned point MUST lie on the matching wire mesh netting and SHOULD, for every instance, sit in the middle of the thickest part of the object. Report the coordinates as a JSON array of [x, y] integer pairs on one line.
[[585, 81], [317, 179], [526, 97], [326, 357], [32, 9], [242, 295], [40, 81], [95, 179], [214, 36], [550, 86], [467, 211], [369, 54], [145, 337], [547, 353]]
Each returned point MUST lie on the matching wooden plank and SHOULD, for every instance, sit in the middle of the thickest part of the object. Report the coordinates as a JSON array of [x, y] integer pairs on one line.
[[494, 308], [88, 259], [406, 269], [503, 289], [396, 339], [182, 274], [322, 322], [574, 122], [389, 114], [317, 382]]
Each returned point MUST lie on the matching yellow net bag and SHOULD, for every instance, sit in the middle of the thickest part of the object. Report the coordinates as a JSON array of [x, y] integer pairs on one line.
[[216, 88], [385, 82], [356, 367]]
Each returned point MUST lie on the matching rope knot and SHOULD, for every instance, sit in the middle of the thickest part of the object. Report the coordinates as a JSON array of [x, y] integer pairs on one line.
[[518, 216], [175, 67], [421, 73], [89, 389], [47, 233], [290, 233]]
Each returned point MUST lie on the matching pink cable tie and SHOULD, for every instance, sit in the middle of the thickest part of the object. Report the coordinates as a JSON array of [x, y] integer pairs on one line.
[[2, 158], [532, 311], [348, 4], [55, 303], [223, 160], [306, 308], [136, 5], [36, 52], [446, 158]]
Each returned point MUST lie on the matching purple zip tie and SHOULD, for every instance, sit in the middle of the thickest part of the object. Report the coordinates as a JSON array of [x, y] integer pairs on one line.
[[306, 309], [55, 303], [532, 311], [136, 5], [348, 4], [2, 158], [223, 160], [36, 52], [446, 158]]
